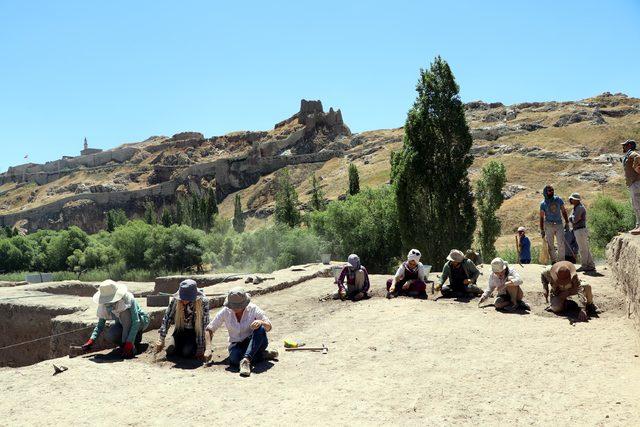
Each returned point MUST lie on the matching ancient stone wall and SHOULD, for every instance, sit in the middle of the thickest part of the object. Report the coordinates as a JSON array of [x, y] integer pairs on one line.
[[623, 256]]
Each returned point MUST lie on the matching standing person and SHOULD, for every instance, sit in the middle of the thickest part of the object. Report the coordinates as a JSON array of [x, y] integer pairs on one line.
[[410, 279], [631, 164], [506, 282], [247, 325], [116, 303], [462, 274], [578, 220], [357, 280], [189, 311], [523, 245], [564, 283], [552, 211]]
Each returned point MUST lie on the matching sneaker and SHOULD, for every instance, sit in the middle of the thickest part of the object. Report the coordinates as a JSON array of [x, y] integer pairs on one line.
[[635, 231], [510, 308], [245, 367], [270, 355]]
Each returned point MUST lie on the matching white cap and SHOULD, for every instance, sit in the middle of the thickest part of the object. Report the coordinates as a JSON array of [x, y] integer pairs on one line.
[[498, 265], [521, 229]]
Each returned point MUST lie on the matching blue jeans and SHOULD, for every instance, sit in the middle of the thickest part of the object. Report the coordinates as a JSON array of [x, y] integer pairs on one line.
[[251, 348]]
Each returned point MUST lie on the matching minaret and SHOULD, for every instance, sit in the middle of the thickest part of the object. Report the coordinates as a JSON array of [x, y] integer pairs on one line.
[[86, 144]]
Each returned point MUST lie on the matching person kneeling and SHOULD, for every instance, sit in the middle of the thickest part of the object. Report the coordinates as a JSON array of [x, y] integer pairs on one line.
[[462, 274], [506, 281], [564, 283], [247, 325], [116, 303], [409, 279], [189, 311], [357, 280]]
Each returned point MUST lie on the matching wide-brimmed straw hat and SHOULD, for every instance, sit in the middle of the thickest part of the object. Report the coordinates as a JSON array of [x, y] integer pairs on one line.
[[498, 265], [562, 272], [109, 292], [456, 256], [237, 298], [188, 291]]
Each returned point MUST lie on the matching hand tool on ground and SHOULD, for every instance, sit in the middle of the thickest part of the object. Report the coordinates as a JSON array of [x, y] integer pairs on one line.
[[323, 349], [58, 370]]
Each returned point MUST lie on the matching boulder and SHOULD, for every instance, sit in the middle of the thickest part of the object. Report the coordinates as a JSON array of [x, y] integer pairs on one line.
[[623, 253]]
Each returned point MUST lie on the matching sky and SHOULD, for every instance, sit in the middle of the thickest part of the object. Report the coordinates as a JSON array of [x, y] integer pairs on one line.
[[121, 71]]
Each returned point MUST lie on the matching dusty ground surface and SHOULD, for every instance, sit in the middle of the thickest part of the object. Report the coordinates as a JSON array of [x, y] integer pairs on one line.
[[401, 361]]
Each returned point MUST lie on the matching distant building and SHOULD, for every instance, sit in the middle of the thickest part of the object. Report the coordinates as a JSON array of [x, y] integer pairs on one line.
[[88, 150]]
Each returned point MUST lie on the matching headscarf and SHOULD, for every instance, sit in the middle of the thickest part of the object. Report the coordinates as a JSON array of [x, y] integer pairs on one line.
[[414, 255], [354, 265], [105, 311]]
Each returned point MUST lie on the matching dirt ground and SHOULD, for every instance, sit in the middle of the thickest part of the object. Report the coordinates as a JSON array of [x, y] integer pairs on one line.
[[401, 361]]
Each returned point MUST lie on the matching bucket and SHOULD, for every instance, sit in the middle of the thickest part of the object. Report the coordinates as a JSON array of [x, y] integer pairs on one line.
[[325, 258]]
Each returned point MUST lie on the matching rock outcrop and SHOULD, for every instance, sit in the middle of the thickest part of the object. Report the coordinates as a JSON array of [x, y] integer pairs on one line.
[[623, 255]]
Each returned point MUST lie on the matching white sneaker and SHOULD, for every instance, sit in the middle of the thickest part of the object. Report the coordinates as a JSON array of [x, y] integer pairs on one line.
[[245, 367]]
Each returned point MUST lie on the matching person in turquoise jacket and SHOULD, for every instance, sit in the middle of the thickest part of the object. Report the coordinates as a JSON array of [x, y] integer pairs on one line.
[[116, 303]]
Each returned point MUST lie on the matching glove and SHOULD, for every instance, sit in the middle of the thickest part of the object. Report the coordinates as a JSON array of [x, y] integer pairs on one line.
[[128, 350], [437, 287], [87, 346]]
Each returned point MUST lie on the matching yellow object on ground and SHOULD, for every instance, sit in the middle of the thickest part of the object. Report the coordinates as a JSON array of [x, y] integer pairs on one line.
[[292, 344]]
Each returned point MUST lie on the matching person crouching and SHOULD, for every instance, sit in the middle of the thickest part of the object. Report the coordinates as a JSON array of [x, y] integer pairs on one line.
[[189, 311], [357, 279], [506, 281], [409, 279], [116, 303], [247, 325]]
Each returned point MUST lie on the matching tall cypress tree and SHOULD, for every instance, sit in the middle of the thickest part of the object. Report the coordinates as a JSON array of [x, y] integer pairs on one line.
[[434, 197], [354, 180], [238, 216], [286, 201], [490, 198], [317, 196]]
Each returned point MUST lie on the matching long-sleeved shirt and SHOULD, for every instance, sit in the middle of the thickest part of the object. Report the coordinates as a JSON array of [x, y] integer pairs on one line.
[[351, 279], [469, 268], [189, 317], [498, 284], [238, 330], [139, 321]]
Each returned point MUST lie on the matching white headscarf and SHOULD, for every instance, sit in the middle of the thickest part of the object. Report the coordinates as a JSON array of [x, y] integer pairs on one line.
[[414, 254], [120, 306]]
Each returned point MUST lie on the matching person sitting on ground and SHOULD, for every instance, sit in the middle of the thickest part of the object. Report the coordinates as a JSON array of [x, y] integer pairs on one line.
[[506, 282], [462, 274], [357, 280], [189, 311], [247, 325], [116, 303], [410, 279], [524, 246], [564, 283]]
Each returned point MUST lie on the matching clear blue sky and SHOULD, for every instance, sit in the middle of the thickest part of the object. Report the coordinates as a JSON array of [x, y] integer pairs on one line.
[[121, 71]]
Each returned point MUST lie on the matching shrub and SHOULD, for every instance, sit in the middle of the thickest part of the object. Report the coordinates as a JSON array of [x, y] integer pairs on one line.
[[607, 218]]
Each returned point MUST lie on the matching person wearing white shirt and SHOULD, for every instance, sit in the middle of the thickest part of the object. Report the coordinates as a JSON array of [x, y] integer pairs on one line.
[[506, 282], [247, 325]]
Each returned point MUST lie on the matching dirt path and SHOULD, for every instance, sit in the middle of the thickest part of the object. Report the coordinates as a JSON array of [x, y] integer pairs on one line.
[[399, 361]]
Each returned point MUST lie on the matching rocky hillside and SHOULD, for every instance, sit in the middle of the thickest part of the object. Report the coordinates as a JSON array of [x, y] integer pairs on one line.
[[572, 145]]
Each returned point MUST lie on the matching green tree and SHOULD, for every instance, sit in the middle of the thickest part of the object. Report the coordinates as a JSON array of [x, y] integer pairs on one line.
[[317, 196], [238, 216], [131, 241], [167, 218], [150, 215], [354, 180], [115, 217], [175, 248], [286, 201], [180, 211], [489, 197], [434, 197], [62, 245], [366, 224]]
